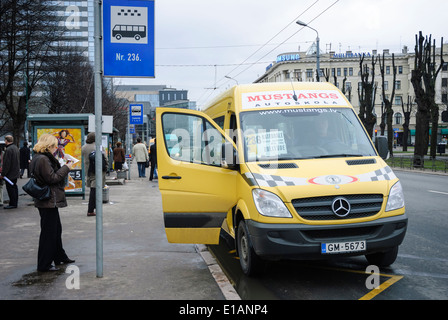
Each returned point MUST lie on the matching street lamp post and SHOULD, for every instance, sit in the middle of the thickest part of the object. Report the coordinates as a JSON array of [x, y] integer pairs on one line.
[[230, 78], [317, 48]]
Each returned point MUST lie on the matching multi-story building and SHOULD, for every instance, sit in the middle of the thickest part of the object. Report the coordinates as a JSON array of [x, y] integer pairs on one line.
[[77, 23], [153, 96], [343, 69]]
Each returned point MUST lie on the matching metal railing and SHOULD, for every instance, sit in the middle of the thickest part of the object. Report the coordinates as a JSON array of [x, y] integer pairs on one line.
[[407, 162]]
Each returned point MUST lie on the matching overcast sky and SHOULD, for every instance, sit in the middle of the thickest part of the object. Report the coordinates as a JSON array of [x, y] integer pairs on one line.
[[242, 37]]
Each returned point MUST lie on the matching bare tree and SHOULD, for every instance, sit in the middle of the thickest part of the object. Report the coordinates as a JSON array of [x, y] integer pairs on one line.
[[388, 101], [423, 79], [69, 82], [28, 30], [346, 91], [407, 119], [383, 119], [366, 94]]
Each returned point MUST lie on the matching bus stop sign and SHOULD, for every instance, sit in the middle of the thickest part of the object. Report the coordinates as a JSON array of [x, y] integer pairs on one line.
[[136, 114], [128, 38]]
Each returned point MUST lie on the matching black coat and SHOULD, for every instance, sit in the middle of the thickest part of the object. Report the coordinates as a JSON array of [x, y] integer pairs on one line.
[[153, 155], [11, 167], [47, 170], [24, 157]]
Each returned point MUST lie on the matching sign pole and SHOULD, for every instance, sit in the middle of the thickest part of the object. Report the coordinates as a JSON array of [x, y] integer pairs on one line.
[[128, 147], [98, 139]]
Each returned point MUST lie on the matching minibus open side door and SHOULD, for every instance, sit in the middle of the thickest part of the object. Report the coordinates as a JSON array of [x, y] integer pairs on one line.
[[197, 189]]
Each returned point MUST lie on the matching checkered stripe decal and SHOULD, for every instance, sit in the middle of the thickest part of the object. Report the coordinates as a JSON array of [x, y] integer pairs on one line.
[[267, 180], [385, 173]]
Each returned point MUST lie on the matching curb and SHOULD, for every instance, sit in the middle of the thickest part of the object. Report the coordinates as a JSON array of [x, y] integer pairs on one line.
[[221, 279]]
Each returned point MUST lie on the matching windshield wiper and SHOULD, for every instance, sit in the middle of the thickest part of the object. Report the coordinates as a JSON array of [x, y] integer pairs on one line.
[[340, 155]]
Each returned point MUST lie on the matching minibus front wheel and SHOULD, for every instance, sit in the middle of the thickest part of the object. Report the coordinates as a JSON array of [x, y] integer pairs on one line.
[[383, 259], [249, 261]]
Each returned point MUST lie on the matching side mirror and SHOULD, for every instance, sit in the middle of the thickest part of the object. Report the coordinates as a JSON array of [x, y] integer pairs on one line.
[[381, 147], [229, 156]]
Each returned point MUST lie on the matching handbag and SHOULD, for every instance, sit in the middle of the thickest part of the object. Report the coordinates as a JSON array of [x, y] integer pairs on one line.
[[35, 190]]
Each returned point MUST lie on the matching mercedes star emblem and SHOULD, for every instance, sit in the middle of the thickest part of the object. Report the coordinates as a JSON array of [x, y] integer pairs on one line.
[[340, 207]]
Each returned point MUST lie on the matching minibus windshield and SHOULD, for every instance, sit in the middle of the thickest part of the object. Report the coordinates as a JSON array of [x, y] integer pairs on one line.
[[303, 133]]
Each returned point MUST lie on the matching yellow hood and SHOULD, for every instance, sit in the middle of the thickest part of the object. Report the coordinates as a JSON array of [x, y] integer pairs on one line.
[[320, 177]]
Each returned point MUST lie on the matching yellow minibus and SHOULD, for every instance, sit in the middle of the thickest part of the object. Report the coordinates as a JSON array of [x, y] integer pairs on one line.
[[286, 169]]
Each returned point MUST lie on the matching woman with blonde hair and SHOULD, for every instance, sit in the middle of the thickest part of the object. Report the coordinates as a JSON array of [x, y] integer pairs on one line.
[[47, 170]]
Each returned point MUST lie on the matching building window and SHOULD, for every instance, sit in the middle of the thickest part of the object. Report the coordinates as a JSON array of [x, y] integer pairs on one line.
[[387, 69], [386, 85], [348, 86], [444, 82], [398, 100], [309, 73], [350, 71], [339, 72], [398, 85], [400, 69], [398, 118]]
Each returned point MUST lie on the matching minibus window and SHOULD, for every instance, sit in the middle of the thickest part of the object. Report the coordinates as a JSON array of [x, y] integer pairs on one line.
[[191, 138], [219, 121], [280, 134]]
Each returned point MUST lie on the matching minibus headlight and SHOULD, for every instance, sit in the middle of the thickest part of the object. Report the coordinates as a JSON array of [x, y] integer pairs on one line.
[[396, 197], [268, 204]]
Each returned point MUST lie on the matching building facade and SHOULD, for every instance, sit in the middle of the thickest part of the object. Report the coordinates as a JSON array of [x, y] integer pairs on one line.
[[76, 20], [151, 97], [343, 70]]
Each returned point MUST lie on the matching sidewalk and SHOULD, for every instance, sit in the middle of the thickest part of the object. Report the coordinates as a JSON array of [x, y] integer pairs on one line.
[[138, 262]]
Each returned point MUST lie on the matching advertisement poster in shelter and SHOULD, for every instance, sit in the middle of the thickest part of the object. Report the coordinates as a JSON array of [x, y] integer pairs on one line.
[[70, 141]]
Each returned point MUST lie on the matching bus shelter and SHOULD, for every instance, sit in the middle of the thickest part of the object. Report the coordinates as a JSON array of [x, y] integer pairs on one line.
[[70, 130]]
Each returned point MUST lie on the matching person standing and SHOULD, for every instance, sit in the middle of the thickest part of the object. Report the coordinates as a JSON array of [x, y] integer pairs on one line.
[[47, 170], [140, 154], [24, 159], [119, 157], [86, 149], [2, 151], [153, 157], [11, 171]]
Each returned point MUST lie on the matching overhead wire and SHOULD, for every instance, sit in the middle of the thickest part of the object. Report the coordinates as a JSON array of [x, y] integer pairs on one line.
[[290, 36], [220, 46], [265, 44], [208, 65], [272, 38]]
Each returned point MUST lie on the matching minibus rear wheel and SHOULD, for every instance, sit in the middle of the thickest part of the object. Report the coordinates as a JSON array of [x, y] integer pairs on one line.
[[249, 261], [383, 259]]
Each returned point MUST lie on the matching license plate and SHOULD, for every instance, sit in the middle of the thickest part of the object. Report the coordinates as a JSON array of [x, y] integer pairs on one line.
[[343, 247]]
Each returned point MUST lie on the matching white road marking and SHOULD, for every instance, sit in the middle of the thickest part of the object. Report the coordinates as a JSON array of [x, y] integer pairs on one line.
[[433, 191]]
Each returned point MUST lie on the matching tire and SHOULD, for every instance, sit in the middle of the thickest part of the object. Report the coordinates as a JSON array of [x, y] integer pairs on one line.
[[249, 261], [383, 259]]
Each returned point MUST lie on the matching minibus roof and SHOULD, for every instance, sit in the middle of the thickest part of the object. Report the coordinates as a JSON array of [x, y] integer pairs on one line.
[[276, 91]]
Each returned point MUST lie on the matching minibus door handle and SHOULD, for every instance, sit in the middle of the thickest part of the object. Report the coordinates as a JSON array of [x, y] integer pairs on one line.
[[171, 177]]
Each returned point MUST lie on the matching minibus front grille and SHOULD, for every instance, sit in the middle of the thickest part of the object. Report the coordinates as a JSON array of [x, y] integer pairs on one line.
[[320, 208]]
